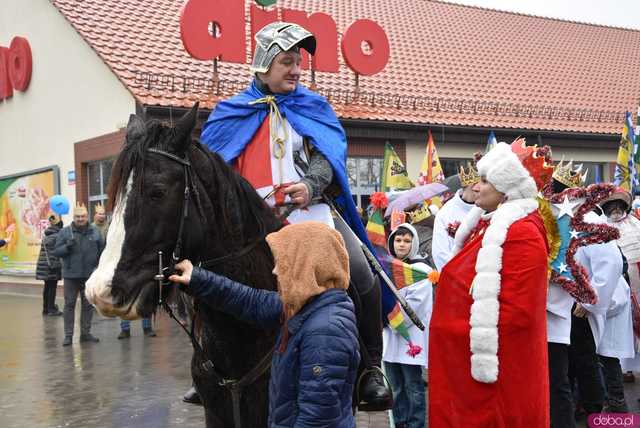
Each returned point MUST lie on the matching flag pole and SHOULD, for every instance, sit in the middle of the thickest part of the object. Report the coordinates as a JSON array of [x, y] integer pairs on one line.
[[375, 264]]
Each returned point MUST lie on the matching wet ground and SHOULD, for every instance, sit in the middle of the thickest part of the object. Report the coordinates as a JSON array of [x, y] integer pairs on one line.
[[137, 382]]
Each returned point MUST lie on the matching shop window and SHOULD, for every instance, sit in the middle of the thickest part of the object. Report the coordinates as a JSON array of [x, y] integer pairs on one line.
[[98, 174], [364, 178], [452, 166]]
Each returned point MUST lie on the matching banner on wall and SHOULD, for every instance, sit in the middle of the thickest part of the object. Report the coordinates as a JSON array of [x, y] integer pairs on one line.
[[24, 208]]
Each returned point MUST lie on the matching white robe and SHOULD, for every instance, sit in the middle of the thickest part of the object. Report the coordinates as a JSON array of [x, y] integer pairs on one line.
[[603, 263], [559, 305], [442, 244], [617, 339]]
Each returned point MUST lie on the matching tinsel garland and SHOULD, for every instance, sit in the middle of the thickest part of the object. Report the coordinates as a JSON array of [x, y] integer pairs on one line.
[[581, 289]]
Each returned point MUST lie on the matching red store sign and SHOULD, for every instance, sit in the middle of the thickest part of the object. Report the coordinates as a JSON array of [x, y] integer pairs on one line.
[[229, 44], [15, 67]]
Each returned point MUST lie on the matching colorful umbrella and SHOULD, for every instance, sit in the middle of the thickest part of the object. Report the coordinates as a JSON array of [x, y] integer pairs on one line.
[[415, 196]]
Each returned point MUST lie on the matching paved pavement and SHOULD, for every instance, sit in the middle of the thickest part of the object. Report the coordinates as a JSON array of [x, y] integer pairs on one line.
[[137, 382]]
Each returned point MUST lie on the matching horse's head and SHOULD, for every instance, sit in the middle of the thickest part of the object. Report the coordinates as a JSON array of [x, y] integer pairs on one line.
[[147, 190]]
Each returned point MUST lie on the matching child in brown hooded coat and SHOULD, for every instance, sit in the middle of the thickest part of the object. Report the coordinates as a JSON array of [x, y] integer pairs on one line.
[[319, 346]]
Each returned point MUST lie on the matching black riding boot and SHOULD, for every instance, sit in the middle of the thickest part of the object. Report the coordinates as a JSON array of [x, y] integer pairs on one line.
[[373, 393]]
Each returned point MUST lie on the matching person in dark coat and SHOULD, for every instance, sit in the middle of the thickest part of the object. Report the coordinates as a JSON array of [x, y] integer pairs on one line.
[[79, 245], [49, 267], [313, 370]]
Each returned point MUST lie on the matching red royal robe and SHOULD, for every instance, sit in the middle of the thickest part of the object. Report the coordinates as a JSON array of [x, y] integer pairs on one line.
[[520, 396]]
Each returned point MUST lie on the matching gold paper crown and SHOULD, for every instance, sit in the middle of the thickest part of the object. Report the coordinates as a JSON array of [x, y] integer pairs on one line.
[[99, 209], [80, 209], [469, 177], [565, 174]]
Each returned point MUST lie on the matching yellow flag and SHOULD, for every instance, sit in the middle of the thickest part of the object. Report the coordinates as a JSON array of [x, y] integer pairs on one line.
[[624, 164], [394, 174], [431, 169]]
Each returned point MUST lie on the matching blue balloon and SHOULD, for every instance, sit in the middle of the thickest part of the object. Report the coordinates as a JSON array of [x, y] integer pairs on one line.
[[59, 204]]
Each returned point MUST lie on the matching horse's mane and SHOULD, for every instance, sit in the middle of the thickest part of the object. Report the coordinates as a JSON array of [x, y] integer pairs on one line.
[[132, 158], [251, 215], [246, 214]]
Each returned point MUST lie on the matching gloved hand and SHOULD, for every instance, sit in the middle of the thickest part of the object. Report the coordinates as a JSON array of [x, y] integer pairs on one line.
[[71, 242]]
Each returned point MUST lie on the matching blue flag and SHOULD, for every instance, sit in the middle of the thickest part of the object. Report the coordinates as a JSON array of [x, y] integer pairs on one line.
[[491, 143]]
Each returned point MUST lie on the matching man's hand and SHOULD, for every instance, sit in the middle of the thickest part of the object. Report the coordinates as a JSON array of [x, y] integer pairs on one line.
[[299, 194], [580, 311], [71, 242], [186, 269]]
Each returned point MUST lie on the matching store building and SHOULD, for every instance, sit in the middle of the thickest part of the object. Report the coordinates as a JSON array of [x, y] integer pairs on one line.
[[458, 71]]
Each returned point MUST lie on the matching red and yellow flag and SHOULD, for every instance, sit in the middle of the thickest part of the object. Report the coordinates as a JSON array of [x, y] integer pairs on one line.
[[431, 169]]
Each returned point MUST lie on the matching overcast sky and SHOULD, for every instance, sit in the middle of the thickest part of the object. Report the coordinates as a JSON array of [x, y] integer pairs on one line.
[[619, 13]]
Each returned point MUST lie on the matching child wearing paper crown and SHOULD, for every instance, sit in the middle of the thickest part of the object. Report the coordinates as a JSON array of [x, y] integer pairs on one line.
[[405, 346]]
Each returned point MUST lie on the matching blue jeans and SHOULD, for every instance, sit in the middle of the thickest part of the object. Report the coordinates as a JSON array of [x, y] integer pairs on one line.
[[409, 394], [126, 325]]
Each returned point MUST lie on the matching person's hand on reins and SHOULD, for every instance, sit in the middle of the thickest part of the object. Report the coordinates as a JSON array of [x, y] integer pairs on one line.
[[299, 194], [185, 268]]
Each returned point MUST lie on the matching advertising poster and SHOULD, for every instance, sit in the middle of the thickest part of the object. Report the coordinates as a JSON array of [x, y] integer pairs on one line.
[[24, 208]]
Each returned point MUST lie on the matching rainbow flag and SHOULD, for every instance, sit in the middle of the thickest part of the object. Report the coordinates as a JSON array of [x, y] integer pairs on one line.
[[375, 229], [404, 275], [399, 325]]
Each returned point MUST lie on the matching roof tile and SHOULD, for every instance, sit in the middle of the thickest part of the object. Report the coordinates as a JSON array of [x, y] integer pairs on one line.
[[450, 64]]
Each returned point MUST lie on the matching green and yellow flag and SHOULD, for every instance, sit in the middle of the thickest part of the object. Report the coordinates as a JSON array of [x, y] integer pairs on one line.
[[394, 174]]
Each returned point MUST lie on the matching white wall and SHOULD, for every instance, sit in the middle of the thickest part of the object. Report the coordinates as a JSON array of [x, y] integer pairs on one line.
[[72, 96]]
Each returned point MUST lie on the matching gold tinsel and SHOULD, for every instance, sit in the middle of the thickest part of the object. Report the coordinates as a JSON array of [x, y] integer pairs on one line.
[[553, 235]]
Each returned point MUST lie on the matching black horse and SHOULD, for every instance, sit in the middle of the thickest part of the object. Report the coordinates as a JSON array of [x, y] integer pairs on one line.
[[226, 222]]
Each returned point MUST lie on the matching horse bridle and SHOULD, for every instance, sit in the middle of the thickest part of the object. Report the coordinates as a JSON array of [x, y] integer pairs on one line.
[[235, 386]]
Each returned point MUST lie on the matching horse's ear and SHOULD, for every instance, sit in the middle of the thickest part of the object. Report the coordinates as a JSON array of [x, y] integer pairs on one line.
[[184, 128], [136, 129]]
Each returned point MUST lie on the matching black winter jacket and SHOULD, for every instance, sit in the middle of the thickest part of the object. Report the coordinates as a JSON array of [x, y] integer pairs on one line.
[[79, 250], [49, 266]]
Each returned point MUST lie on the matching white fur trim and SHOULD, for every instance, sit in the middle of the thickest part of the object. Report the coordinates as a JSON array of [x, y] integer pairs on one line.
[[484, 367], [484, 341], [484, 313], [485, 310], [503, 169], [486, 285], [489, 258]]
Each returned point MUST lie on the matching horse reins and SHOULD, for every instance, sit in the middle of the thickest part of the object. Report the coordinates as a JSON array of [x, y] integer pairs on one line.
[[235, 386]]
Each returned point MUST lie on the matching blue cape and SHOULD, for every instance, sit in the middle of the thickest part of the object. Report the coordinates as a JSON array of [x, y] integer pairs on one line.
[[233, 123]]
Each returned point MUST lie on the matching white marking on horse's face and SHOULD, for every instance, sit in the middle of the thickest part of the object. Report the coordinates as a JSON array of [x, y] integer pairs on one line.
[[98, 286]]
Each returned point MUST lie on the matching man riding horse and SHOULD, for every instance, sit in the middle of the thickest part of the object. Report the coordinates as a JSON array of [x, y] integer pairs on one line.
[[288, 143]]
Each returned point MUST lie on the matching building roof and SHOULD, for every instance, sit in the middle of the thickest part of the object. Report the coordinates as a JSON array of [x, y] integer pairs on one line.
[[450, 64]]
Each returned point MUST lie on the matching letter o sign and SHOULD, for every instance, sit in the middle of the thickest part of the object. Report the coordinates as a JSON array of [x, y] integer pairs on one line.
[[15, 67], [360, 31], [20, 63]]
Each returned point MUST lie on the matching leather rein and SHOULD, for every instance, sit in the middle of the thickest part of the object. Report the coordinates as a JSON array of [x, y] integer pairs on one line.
[[235, 386]]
